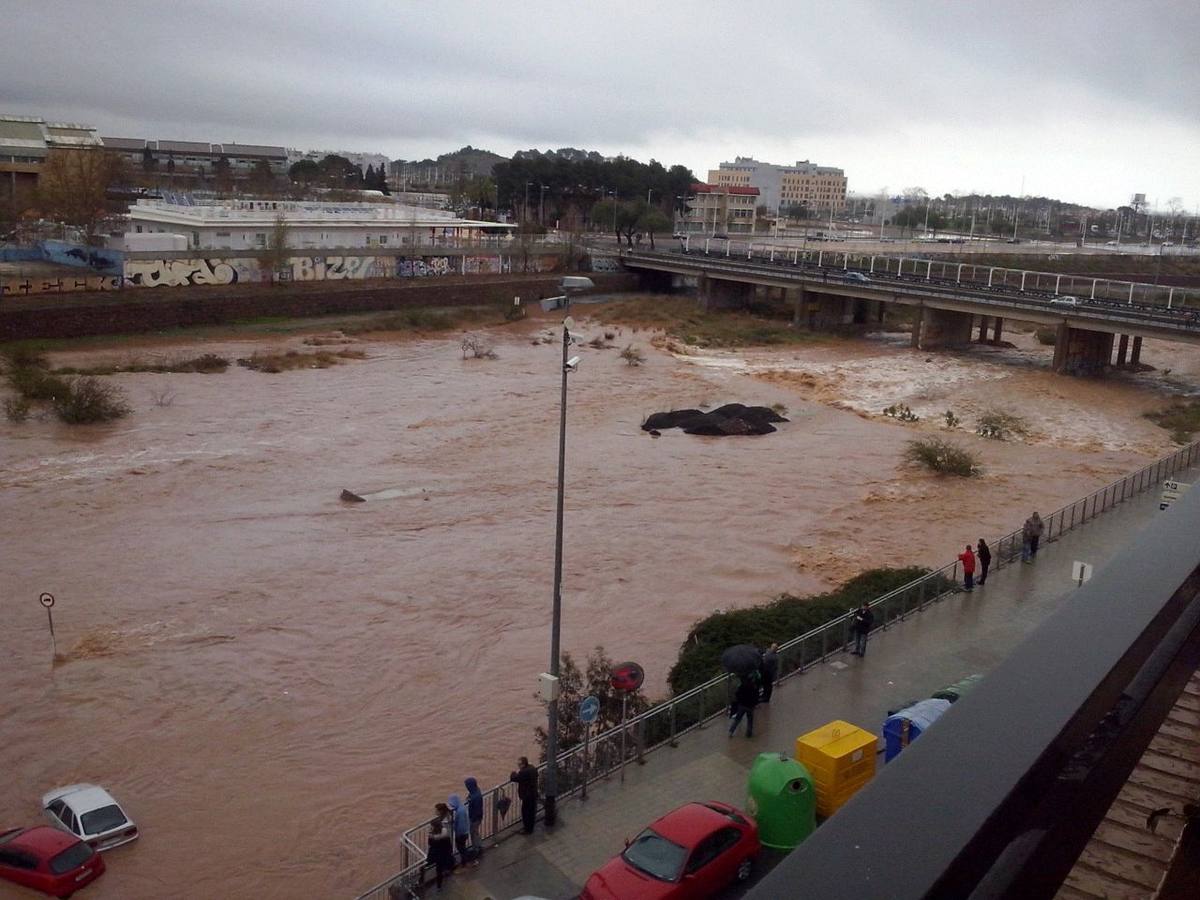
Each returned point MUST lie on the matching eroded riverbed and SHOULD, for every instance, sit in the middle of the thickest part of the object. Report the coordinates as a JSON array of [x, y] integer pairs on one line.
[[275, 682]]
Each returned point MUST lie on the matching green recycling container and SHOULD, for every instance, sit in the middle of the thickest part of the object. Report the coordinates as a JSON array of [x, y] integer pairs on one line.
[[954, 691], [781, 798]]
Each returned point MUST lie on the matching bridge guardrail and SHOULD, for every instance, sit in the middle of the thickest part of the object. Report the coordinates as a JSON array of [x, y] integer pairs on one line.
[[663, 724]]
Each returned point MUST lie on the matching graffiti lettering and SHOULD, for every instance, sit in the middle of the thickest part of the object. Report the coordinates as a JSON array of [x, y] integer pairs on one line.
[[422, 266], [178, 272]]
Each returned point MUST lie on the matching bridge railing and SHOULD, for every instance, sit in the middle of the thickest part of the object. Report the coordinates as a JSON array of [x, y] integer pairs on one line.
[[1085, 287], [663, 724]]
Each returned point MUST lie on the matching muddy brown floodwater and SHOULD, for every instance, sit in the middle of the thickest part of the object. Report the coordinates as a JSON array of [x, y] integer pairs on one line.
[[275, 682]]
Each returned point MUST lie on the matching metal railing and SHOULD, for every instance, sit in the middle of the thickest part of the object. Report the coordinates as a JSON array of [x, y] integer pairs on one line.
[[662, 725]]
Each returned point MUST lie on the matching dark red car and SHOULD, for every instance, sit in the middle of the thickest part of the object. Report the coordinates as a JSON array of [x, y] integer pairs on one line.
[[688, 854], [48, 860]]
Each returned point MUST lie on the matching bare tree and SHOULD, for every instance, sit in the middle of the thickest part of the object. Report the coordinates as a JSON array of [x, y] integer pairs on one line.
[[73, 186], [274, 259]]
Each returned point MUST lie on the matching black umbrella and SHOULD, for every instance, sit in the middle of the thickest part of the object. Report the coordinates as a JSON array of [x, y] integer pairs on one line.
[[741, 659]]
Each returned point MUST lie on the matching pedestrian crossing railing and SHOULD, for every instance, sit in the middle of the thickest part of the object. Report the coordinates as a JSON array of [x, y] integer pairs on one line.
[[662, 725]]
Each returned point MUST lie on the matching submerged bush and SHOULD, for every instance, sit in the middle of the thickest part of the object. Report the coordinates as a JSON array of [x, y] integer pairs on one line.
[[17, 409], [34, 383], [943, 457], [1000, 425], [89, 400]]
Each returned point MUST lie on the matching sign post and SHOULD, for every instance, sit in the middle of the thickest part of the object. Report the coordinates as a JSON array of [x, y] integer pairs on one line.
[[1080, 572], [626, 677], [589, 709], [1170, 493], [47, 600]]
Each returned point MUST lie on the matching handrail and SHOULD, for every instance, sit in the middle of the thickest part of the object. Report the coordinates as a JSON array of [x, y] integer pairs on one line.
[[664, 723]]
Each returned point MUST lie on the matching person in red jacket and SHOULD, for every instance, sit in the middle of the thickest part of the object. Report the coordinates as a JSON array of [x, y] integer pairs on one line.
[[967, 557]]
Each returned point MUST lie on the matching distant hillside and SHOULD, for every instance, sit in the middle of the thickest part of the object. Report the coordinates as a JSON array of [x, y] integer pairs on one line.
[[568, 153], [478, 163]]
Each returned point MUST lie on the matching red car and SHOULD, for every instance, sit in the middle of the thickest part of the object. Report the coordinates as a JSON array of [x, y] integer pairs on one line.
[[690, 853], [48, 860]]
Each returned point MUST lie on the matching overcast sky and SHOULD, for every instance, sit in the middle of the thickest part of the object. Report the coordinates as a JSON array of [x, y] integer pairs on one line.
[[1088, 101]]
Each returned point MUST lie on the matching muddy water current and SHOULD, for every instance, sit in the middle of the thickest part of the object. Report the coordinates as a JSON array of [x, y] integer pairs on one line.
[[275, 682]]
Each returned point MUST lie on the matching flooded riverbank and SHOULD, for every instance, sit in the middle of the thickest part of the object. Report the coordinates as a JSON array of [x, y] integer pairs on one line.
[[275, 682]]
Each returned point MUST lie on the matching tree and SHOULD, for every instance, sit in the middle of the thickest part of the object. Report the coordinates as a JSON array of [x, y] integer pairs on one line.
[[262, 179], [574, 686], [149, 163], [653, 220], [304, 171], [277, 255], [73, 186], [223, 174]]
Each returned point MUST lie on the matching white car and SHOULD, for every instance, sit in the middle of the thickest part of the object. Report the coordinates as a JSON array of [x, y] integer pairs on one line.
[[1065, 300], [91, 814], [858, 276]]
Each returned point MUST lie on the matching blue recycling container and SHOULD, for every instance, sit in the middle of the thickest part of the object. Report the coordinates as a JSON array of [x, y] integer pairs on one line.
[[902, 728]]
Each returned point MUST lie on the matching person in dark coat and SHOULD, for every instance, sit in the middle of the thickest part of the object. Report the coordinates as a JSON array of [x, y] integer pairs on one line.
[[526, 778], [984, 554], [769, 671], [863, 622], [744, 702], [441, 850], [475, 815]]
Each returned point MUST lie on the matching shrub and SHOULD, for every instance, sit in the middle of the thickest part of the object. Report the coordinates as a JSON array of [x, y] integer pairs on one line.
[[1181, 419], [33, 383], [89, 400], [273, 363], [952, 421], [902, 412], [1047, 336], [19, 356], [942, 457], [207, 364], [632, 356], [782, 619], [999, 425], [475, 347], [16, 409]]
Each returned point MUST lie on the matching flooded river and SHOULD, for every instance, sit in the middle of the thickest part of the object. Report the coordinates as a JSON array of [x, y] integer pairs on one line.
[[276, 682]]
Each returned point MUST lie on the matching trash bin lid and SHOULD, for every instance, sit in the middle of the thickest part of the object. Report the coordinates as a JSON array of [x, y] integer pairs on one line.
[[921, 714]]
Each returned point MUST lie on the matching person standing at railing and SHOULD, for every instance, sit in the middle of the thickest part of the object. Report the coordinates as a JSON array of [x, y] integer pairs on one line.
[[861, 625], [744, 701], [441, 850], [984, 553], [769, 671], [1038, 527], [967, 558], [1030, 532], [475, 816], [461, 826], [526, 779]]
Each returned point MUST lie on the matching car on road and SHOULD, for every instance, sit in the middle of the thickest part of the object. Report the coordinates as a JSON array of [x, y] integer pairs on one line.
[[90, 813], [720, 237], [857, 276], [48, 860], [692, 852], [1065, 300]]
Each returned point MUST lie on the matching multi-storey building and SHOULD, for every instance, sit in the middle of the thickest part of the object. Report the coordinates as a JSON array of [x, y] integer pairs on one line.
[[197, 158], [26, 140], [804, 184], [376, 161], [719, 210]]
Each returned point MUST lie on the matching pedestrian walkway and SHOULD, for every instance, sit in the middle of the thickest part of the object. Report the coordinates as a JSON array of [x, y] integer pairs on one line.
[[963, 634]]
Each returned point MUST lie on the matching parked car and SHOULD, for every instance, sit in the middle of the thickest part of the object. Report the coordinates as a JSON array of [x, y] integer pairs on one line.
[[47, 860], [857, 276], [720, 237], [693, 852], [1065, 300], [91, 814]]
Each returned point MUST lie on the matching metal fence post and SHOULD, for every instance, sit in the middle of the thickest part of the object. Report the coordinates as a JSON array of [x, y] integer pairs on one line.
[[673, 742]]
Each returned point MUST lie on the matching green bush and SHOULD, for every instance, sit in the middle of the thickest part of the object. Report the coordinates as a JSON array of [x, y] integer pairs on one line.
[[16, 409], [780, 620], [34, 383], [1000, 425], [1181, 419], [943, 457], [89, 400]]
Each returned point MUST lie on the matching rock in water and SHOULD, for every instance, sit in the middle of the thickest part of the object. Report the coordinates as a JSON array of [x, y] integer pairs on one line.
[[672, 419], [351, 497]]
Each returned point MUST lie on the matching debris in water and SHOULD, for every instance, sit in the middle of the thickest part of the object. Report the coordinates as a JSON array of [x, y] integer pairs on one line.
[[732, 418], [350, 497]]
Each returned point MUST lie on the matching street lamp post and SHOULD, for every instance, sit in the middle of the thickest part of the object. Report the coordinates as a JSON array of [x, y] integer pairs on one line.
[[614, 196], [526, 217], [551, 810], [542, 204]]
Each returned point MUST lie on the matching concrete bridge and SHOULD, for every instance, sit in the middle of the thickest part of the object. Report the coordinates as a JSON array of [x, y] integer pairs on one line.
[[836, 289]]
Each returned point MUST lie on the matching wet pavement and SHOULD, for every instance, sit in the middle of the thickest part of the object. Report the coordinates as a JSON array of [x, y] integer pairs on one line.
[[961, 635]]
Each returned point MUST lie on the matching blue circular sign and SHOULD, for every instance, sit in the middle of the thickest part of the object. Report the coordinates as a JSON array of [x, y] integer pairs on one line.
[[589, 710]]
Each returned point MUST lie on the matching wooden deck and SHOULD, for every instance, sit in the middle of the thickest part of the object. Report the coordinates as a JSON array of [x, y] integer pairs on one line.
[[1125, 860]]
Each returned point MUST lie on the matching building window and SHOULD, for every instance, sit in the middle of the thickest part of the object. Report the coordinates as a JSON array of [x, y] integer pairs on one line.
[[260, 239], [382, 239]]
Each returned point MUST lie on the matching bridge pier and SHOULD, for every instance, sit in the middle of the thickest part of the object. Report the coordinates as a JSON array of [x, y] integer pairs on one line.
[[1135, 355], [716, 293], [996, 331], [1081, 352], [942, 328], [655, 282], [1122, 349]]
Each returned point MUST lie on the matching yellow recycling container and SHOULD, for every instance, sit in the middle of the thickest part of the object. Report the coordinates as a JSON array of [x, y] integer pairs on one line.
[[841, 759]]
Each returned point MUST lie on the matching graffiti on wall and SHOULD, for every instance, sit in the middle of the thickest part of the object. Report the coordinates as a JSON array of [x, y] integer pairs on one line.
[[486, 265], [179, 272], [25, 286], [425, 266], [339, 268]]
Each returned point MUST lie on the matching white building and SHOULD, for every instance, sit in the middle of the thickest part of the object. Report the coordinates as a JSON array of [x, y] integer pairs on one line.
[[248, 224], [804, 184], [376, 160]]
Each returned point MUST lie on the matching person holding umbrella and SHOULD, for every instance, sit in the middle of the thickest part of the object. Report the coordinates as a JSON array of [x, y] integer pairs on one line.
[[745, 661]]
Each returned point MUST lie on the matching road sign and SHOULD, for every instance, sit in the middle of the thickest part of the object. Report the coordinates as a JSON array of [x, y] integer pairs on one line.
[[627, 676], [1170, 493], [589, 710], [46, 599], [1080, 571]]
